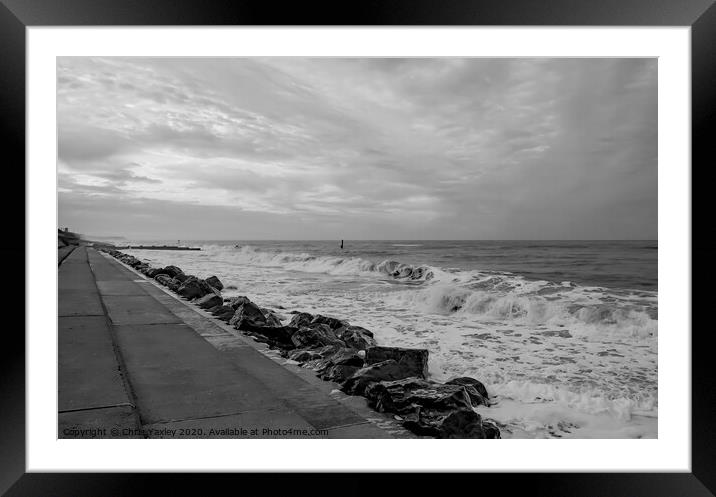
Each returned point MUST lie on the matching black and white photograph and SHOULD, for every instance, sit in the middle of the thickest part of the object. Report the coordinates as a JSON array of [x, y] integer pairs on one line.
[[357, 247]]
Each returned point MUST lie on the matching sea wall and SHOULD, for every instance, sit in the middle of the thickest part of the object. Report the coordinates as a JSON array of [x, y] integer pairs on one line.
[[393, 380]]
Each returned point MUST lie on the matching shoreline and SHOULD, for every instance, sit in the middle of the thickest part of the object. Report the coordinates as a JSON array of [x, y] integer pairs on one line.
[[393, 380]]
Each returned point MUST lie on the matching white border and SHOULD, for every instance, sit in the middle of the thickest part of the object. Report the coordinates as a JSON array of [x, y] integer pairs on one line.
[[671, 452]]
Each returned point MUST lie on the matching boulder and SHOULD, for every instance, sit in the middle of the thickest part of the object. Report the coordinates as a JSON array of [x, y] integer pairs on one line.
[[275, 336], [332, 323], [414, 361], [163, 279], [172, 271], [271, 318], [209, 300], [336, 356], [319, 335], [338, 373], [215, 282], [407, 396], [303, 355], [174, 284], [237, 302], [356, 337], [388, 370], [461, 423], [193, 288], [180, 277], [301, 319], [247, 314], [476, 384], [223, 312], [490, 428]]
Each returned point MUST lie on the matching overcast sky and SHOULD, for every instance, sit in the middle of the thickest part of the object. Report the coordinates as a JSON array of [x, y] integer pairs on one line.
[[297, 148]]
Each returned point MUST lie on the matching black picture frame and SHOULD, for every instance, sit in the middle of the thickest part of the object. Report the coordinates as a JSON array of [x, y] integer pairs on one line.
[[700, 15]]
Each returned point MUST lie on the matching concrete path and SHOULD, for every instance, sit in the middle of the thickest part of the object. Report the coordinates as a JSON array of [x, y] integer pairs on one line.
[[136, 361]]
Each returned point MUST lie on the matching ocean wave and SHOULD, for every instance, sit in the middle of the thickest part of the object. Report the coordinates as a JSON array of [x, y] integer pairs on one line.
[[342, 266], [580, 308], [491, 294]]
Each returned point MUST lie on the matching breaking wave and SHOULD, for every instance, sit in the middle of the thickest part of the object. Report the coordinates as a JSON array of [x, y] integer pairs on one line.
[[333, 265], [498, 295]]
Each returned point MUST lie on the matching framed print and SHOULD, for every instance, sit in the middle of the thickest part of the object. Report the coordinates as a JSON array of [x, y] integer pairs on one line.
[[410, 230]]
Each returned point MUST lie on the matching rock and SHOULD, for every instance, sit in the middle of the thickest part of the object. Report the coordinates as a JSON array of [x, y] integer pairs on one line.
[[180, 277], [271, 318], [303, 355], [301, 319], [223, 312], [193, 288], [215, 282], [388, 370], [174, 284], [414, 361], [319, 335], [247, 315], [406, 396], [172, 271], [276, 336], [152, 272], [490, 428], [461, 423], [338, 373], [333, 323], [336, 356], [356, 337], [466, 380], [209, 300], [163, 279], [237, 302], [231, 287]]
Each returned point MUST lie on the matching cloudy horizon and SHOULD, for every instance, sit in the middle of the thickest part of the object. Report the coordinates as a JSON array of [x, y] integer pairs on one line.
[[354, 148]]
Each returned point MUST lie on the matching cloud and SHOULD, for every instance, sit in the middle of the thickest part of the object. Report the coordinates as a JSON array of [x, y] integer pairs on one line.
[[375, 148]]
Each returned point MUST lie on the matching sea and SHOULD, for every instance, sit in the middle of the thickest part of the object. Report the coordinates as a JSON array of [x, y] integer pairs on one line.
[[562, 333]]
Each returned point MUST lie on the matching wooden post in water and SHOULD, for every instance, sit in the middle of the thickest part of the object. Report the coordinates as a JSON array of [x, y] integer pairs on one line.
[[341, 244]]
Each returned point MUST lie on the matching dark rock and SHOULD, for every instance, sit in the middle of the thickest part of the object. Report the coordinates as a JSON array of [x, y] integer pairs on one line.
[[407, 396], [356, 337], [319, 335], [461, 423], [388, 370], [223, 312], [490, 428], [237, 302], [247, 315], [174, 284], [303, 355], [193, 288], [152, 272], [333, 323], [466, 380], [414, 361], [180, 277], [215, 282], [276, 336], [163, 279], [337, 356], [301, 319], [172, 271], [338, 373], [271, 318], [209, 300]]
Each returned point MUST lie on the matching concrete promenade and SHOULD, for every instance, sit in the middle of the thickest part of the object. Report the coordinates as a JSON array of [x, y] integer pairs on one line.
[[137, 362]]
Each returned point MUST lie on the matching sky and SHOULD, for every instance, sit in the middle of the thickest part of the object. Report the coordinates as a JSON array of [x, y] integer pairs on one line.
[[357, 148]]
